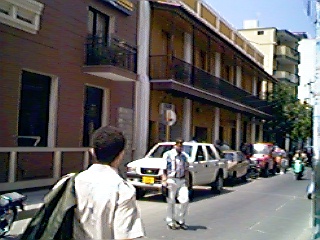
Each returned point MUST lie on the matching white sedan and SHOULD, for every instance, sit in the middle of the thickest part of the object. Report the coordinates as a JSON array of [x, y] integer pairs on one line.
[[238, 165]]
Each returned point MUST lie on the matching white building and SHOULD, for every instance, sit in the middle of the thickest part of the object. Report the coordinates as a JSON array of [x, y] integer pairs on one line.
[[307, 68]]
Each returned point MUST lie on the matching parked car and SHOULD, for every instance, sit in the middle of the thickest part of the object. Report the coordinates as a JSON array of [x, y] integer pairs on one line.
[[206, 167], [238, 165], [262, 154]]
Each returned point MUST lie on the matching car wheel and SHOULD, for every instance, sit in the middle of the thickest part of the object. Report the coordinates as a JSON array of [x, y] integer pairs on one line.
[[274, 170], [217, 185], [140, 193], [244, 178], [266, 171]]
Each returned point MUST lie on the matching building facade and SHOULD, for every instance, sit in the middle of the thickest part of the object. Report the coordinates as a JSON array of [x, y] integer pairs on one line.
[[200, 78], [307, 70], [280, 50], [67, 68], [157, 69]]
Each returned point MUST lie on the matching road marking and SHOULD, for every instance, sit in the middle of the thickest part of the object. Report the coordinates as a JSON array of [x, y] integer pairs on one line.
[[256, 224], [281, 206]]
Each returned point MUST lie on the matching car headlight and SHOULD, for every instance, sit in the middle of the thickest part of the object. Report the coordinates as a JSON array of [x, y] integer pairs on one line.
[[131, 169]]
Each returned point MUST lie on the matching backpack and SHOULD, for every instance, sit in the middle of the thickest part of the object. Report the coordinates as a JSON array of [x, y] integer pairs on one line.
[[54, 220]]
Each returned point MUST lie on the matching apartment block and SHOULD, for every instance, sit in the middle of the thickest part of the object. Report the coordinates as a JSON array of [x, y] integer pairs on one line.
[[280, 50], [67, 68]]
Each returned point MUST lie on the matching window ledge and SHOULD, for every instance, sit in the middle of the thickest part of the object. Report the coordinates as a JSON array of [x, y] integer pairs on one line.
[[21, 14]]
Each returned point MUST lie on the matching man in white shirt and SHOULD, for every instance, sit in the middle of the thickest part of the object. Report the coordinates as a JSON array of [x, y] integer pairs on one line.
[[176, 179], [106, 203]]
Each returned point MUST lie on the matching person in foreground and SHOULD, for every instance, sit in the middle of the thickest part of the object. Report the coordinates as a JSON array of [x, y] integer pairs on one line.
[[175, 179], [106, 203]]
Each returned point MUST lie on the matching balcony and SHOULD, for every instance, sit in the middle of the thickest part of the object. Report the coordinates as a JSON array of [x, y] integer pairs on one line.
[[172, 74], [287, 55], [290, 77], [113, 59]]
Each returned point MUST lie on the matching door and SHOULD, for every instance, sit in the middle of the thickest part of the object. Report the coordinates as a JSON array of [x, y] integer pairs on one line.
[[212, 164], [201, 134], [92, 113], [198, 166]]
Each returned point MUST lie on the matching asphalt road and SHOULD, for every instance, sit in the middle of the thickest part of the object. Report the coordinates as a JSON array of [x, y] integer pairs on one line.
[[262, 209]]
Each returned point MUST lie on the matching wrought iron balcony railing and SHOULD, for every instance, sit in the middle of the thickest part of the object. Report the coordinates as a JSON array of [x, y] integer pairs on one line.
[[112, 52], [165, 67]]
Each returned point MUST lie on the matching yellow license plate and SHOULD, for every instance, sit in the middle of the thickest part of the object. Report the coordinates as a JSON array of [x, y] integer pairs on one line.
[[148, 180]]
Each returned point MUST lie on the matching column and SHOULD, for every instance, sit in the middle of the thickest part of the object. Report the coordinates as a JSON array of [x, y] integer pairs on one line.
[[238, 76], [261, 132], [253, 130], [254, 86], [238, 130], [142, 90], [217, 68], [216, 124], [187, 103]]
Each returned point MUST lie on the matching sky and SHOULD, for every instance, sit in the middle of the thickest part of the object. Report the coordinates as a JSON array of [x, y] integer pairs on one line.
[[281, 14]]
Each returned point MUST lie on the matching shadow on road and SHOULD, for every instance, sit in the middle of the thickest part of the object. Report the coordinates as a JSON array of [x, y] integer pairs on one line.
[[195, 228]]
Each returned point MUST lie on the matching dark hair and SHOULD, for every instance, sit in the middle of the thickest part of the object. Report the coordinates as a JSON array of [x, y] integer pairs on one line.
[[108, 142], [179, 141]]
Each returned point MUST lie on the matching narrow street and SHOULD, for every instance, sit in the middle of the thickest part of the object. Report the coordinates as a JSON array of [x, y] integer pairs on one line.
[[265, 208]]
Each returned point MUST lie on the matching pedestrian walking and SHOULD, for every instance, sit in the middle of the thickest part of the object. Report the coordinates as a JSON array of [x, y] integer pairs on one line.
[[175, 179], [106, 203]]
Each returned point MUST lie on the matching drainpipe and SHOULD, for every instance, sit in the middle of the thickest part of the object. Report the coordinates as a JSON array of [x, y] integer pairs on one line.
[[142, 92]]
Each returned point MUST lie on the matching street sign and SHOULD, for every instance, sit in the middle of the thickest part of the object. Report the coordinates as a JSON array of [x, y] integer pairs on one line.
[[171, 117]]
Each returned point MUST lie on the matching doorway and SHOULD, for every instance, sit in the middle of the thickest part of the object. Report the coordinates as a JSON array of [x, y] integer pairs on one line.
[[92, 112]]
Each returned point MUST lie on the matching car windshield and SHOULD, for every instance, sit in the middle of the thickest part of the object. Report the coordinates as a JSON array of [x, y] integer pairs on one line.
[[228, 156], [161, 149], [261, 149]]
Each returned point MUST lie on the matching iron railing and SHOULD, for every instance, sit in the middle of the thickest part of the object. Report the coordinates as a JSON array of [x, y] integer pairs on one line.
[[166, 67], [112, 51]]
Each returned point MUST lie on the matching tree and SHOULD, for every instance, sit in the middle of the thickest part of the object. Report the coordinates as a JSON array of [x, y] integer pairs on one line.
[[290, 116]]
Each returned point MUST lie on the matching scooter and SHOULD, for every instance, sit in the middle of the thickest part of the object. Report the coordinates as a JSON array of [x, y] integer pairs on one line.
[[9, 205], [298, 168], [310, 190]]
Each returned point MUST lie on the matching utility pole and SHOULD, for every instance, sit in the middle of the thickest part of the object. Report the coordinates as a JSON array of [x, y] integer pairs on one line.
[[316, 87], [316, 129], [313, 11]]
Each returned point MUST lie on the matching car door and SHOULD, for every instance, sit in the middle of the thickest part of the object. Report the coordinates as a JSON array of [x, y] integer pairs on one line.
[[242, 164], [198, 166], [212, 165]]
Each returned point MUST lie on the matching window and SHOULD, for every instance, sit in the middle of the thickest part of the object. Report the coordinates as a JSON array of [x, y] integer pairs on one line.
[[211, 154], [260, 32], [21, 14], [98, 25], [34, 110], [200, 155]]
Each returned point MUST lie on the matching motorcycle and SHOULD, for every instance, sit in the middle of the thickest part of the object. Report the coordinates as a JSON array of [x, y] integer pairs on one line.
[[254, 170], [9, 205], [298, 168]]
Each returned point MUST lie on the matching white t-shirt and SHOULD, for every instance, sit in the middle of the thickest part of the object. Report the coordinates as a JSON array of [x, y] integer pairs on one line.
[[106, 206]]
